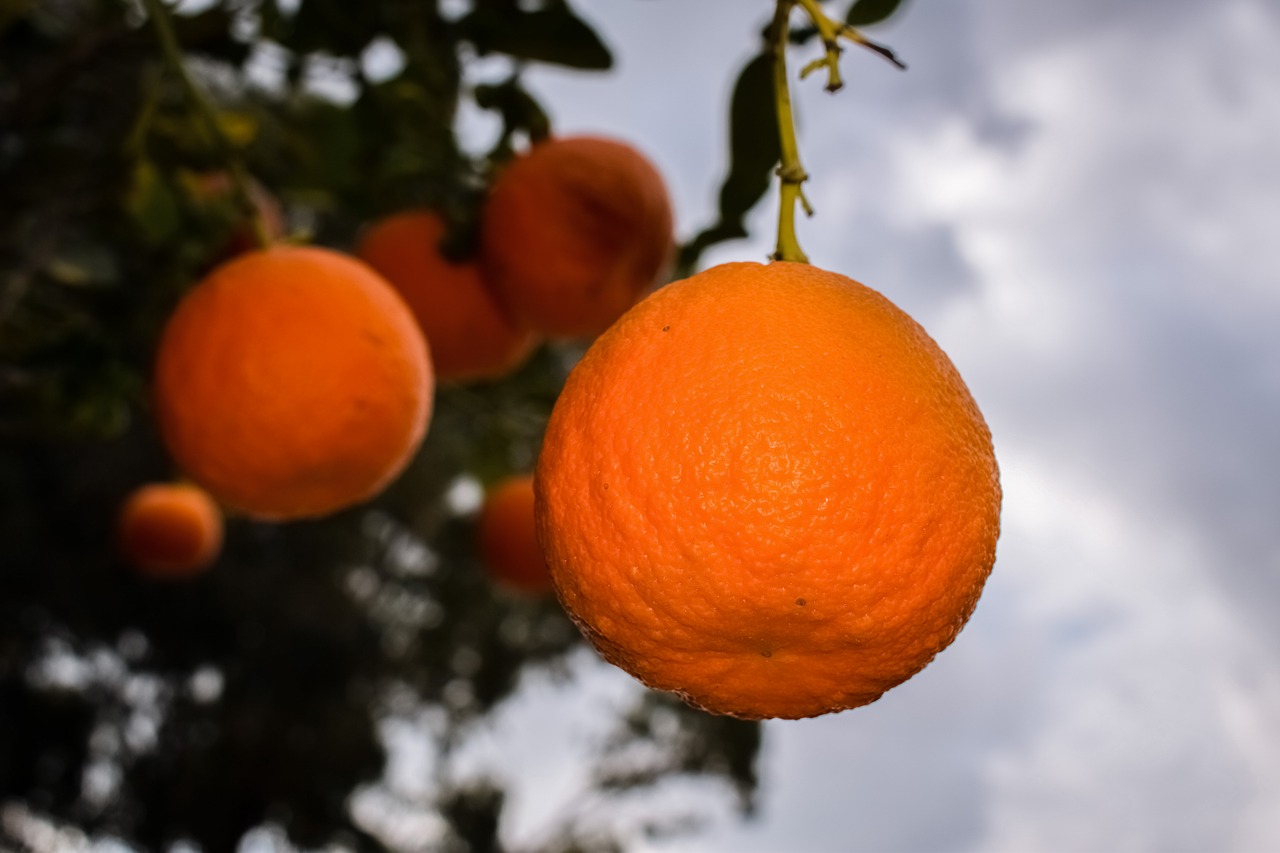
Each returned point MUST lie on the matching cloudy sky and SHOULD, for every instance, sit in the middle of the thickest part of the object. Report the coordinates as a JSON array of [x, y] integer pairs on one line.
[[1081, 202]]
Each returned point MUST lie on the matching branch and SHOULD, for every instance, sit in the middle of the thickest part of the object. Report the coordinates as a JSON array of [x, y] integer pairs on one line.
[[239, 177], [831, 32], [790, 171]]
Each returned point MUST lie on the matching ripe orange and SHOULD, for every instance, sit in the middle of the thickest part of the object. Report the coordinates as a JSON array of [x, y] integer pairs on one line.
[[170, 530], [292, 382], [766, 488], [574, 231], [508, 540], [469, 334]]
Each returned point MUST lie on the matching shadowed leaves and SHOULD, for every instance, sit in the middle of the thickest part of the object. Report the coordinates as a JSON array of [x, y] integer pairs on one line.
[[553, 34]]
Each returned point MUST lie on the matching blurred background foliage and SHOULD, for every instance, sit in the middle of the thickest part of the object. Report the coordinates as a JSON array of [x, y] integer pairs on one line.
[[258, 695]]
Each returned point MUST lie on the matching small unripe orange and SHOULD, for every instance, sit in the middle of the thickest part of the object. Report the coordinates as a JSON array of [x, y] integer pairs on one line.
[[170, 530], [508, 540]]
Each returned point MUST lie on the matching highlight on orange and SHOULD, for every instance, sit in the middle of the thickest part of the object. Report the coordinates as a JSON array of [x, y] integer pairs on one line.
[[470, 335], [507, 538], [574, 231], [768, 490], [170, 531], [292, 382]]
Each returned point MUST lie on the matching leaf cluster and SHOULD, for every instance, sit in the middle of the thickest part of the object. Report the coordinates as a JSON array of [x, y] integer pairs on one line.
[[754, 148]]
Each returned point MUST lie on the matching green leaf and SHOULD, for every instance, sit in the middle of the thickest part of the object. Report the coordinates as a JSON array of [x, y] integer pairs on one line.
[[754, 148], [864, 12], [754, 153], [519, 109], [554, 35], [151, 204]]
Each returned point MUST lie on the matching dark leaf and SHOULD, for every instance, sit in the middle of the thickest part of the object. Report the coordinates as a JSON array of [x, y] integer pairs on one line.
[[802, 34], [209, 33], [333, 26], [754, 152], [754, 149], [553, 35], [864, 12], [519, 110], [151, 204]]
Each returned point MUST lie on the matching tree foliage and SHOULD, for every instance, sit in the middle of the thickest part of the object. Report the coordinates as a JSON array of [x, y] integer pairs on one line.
[[256, 695]]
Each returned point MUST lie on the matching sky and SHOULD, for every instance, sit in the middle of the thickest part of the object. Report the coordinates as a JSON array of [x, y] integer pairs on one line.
[[1079, 201]]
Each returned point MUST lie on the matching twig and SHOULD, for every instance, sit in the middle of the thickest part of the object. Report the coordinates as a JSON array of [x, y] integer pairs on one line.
[[239, 177], [791, 171]]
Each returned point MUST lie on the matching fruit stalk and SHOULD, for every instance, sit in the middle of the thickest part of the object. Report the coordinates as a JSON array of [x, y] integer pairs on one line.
[[831, 32], [159, 16], [791, 171]]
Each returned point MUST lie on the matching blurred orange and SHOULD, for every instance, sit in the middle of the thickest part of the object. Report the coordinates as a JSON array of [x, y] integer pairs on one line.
[[508, 540], [292, 382], [469, 334], [170, 530], [574, 231]]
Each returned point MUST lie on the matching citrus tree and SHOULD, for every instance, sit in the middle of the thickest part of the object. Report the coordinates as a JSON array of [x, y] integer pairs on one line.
[[147, 155]]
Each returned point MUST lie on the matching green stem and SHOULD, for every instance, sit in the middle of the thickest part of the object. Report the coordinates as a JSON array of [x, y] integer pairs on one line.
[[239, 177], [829, 32], [790, 171]]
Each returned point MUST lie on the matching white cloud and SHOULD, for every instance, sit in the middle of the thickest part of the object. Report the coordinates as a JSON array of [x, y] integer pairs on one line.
[[1147, 719]]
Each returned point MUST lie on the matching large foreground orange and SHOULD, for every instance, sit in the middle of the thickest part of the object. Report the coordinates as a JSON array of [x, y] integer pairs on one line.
[[767, 489], [574, 231], [471, 337], [292, 382]]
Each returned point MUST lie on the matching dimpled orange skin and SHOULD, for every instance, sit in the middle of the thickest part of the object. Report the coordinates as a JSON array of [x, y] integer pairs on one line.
[[574, 231], [768, 490], [470, 336], [292, 382], [508, 539], [170, 530]]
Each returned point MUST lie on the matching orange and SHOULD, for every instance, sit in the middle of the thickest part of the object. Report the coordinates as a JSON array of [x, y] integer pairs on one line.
[[292, 382], [469, 334], [170, 530], [508, 540], [767, 489], [574, 231]]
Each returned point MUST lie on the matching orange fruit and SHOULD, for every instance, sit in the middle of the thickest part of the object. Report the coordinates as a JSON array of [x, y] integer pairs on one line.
[[508, 540], [574, 231], [469, 334], [292, 382], [170, 530], [767, 489]]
